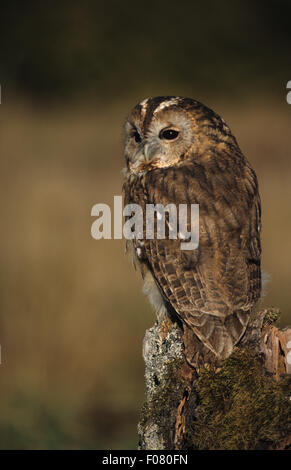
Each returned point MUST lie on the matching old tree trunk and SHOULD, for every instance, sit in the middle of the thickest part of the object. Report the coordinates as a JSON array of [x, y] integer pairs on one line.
[[242, 403]]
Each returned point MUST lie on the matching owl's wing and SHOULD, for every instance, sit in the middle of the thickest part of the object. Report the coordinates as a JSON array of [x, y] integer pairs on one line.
[[214, 287]]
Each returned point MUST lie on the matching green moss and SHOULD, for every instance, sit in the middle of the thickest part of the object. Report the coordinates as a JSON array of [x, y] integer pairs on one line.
[[271, 316], [241, 406]]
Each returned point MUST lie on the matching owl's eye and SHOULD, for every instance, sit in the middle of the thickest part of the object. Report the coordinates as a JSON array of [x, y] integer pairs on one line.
[[169, 134], [136, 136]]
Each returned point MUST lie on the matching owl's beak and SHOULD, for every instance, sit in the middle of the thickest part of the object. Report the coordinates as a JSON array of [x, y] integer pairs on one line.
[[149, 150]]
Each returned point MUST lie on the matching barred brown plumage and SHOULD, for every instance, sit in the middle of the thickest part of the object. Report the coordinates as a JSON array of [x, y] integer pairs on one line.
[[212, 289]]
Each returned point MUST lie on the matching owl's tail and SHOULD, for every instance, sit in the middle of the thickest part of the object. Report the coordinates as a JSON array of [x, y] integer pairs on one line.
[[214, 336]]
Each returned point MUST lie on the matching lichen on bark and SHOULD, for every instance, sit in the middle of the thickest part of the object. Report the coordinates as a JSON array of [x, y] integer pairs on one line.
[[242, 403]]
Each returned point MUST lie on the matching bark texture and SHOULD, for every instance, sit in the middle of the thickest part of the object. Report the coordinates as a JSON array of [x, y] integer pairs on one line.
[[240, 403]]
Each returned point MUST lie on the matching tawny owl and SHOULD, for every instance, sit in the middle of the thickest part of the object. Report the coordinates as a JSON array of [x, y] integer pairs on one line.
[[179, 151]]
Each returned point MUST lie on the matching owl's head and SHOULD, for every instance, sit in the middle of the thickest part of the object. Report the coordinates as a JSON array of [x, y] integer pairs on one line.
[[164, 131]]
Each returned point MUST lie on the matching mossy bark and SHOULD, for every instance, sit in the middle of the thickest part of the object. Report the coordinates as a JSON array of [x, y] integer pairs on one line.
[[241, 403]]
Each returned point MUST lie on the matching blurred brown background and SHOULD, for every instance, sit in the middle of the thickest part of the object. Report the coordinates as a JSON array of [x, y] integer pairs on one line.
[[72, 314]]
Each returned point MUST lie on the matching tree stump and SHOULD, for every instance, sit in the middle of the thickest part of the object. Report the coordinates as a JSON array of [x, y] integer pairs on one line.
[[241, 403]]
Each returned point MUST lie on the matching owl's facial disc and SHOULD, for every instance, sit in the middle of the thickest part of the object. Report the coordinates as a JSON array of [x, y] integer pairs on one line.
[[152, 147], [166, 139]]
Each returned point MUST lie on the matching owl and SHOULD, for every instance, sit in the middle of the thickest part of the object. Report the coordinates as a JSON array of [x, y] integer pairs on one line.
[[179, 151]]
